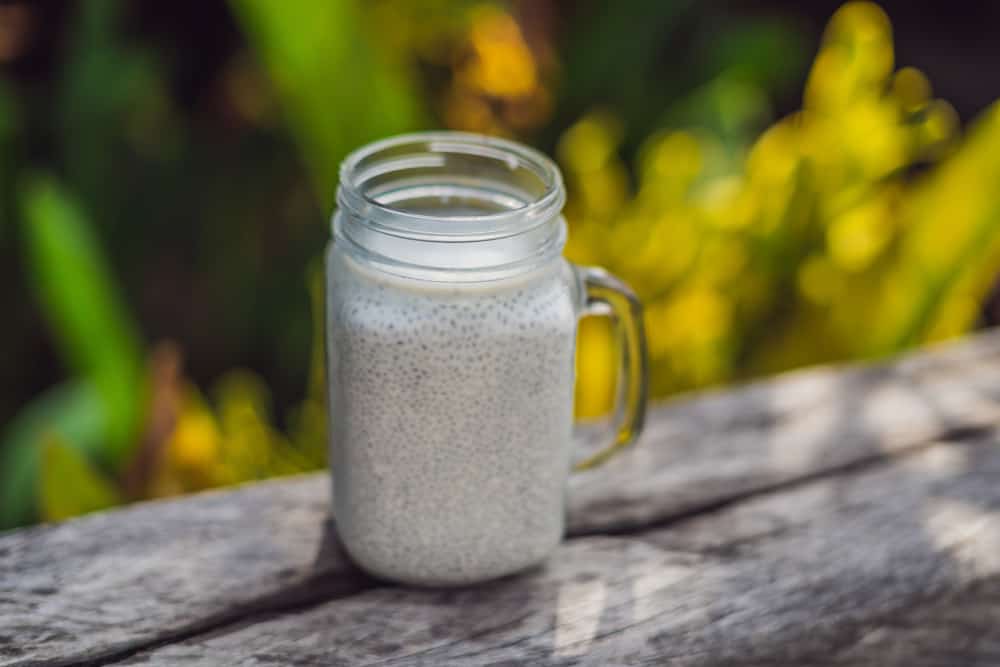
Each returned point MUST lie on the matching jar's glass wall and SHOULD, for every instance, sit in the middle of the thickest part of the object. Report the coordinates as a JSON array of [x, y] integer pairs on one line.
[[450, 206], [451, 324]]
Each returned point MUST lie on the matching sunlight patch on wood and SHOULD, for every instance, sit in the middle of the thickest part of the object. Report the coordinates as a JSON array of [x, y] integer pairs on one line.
[[578, 614]]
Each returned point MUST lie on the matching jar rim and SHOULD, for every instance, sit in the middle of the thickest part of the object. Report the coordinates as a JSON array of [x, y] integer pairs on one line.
[[430, 149]]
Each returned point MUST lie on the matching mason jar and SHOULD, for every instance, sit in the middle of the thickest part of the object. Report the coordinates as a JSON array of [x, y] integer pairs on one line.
[[451, 322]]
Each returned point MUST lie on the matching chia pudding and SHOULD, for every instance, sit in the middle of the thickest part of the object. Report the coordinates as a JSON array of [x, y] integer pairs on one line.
[[450, 333], [451, 415]]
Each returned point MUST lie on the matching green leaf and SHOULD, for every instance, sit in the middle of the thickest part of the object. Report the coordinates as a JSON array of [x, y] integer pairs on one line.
[[767, 51], [69, 485], [336, 90], [611, 58], [75, 412], [91, 115], [74, 286], [731, 108], [953, 249]]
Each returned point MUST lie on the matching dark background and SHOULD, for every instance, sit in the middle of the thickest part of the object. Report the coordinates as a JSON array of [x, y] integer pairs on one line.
[[954, 43], [178, 136]]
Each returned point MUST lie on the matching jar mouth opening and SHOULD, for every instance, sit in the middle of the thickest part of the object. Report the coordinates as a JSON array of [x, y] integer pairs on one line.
[[450, 186]]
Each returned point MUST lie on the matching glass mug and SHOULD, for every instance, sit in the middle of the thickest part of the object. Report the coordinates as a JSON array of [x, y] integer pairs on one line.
[[451, 322]]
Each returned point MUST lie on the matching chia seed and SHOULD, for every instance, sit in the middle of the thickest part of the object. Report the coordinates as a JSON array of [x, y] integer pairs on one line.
[[450, 436]]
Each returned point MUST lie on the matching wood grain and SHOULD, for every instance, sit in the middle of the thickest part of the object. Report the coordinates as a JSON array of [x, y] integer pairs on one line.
[[108, 582], [105, 586], [955, 629], [784, 579], [720, 447]]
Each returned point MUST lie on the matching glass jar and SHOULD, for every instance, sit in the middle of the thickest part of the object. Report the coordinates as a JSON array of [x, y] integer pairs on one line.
[[451, 328]]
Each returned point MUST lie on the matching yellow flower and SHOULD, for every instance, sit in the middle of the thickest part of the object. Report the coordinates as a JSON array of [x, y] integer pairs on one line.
[[597, 367], [503, 65], [856, 238], [855, 60], [818, 280], [194, 445]]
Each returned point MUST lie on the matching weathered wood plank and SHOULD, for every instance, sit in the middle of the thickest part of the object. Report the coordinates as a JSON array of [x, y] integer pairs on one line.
[[794, 578], [718, 447], [960, 630], [109, 583], [101, 584]]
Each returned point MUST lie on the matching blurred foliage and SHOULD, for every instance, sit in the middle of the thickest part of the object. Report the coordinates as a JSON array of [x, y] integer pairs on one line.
[[69, 484], [814, 242], [79, 296], [71, 414], [338, 91], [99, 414], [855, 227]]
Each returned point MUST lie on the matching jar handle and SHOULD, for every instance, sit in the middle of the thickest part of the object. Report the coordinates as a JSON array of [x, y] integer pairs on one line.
[[605, 294]]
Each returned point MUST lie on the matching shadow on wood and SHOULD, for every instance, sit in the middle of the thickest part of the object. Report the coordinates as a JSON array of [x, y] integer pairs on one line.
[[824, 517]]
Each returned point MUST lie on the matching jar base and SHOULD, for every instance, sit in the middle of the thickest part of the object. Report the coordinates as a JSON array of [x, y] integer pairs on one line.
[[457, 576]]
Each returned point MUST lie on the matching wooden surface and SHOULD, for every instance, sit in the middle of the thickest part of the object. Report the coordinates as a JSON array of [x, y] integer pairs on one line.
[[829, 517]]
